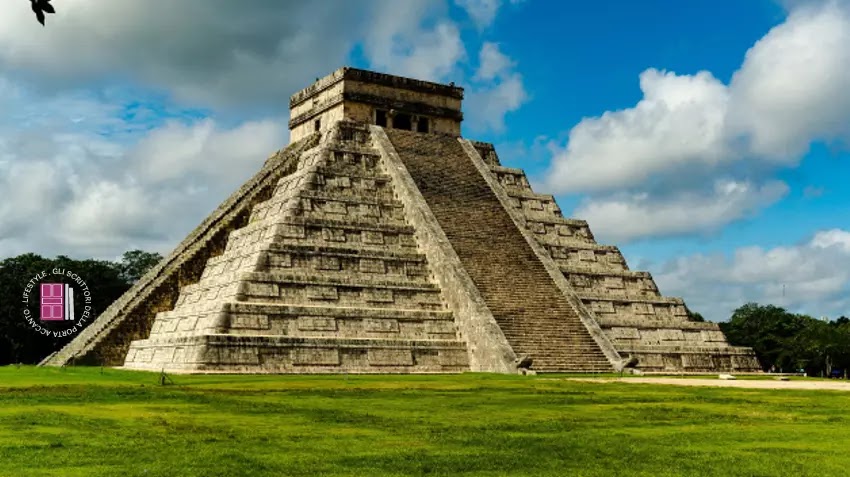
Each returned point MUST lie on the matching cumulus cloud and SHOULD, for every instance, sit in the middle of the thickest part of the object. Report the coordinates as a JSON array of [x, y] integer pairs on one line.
[[496, 89], [203, 148], [812, 277], [691, 132], [215, 52], [220, 53], [414, 39], [680, 120], [69, 188], [788, 93], [792, 88], [483, 12], [624, 218]]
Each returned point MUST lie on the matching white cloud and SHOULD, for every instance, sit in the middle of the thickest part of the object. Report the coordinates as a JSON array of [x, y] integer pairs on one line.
[[789, 92], [69, 190], [496, 90], [221, 53], [813, 277], [680, 120], [691, 130], [414, 39], [792, 87], [623, 218], [178, 149], [492, 63], [483, 12]]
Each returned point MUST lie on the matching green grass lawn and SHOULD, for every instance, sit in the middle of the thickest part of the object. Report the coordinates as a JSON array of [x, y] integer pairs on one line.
[[79, 422]]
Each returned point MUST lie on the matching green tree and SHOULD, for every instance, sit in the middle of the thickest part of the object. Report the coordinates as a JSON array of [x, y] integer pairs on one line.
[[695, 316], [136, 263], [767, 329]]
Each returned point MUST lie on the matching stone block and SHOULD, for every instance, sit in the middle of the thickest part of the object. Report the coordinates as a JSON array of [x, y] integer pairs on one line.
[[333, 234], [390, 357], [369, 211], [280, 260], [322, 292], [334, 208], [369, 265], [249, 321], [292, 231], [671, 335], [378, 295], [642, 308], [586, 256], [713, 336], [261, 289], [316, 356], [625, 333], [602, 307], [372, 237], [316, 323], [187, 324], [380, 325], [163, 355], [440, 327], [326, 262]]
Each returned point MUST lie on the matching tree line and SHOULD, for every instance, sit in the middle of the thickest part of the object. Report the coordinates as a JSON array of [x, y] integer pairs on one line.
[[790, 342]]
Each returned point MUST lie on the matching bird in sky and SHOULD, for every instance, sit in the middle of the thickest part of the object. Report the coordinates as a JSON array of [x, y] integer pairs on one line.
[[40, 7]]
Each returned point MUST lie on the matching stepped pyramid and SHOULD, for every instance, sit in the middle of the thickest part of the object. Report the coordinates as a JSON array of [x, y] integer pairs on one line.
[[380, 241]]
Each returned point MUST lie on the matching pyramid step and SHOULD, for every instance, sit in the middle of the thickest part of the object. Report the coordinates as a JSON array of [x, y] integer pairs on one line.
[[329, 172], [316, 289], [225, 353], [356, 266], [602, 272], [320, 195], [350, 223], [628, 298], [325, 278], [346, 250], [246, 318], [340, 322]]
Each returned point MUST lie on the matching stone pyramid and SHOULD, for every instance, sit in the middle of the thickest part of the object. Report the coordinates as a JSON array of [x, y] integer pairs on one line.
[[380, 241]]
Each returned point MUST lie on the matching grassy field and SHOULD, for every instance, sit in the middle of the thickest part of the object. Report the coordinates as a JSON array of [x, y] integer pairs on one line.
[[88, 422]]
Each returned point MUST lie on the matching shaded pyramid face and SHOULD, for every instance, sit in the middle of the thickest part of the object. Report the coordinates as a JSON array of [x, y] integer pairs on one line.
[[373, 249]]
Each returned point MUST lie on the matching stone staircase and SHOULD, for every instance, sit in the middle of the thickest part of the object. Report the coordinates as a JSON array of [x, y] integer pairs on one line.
[[326, 276], [627, 304], [534, 315]]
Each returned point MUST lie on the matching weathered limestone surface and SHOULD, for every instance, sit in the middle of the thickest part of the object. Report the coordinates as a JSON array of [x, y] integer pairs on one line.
[[326, 276], [535, 316], [380, 241], [107, 340], [626, 304], [356, 95], [489, 349]]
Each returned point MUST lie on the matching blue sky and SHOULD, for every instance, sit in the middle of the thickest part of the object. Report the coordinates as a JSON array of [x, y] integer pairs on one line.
[[707, 139]]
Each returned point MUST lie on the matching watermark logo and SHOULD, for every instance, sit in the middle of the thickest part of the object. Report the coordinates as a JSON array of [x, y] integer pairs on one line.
[[57, 302], [63, 302]]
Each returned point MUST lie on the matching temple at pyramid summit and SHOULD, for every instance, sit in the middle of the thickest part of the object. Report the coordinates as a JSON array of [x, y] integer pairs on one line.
[[381, 241]]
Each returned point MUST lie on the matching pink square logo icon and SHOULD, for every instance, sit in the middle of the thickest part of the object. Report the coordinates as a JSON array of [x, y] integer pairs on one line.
[[57, 302]]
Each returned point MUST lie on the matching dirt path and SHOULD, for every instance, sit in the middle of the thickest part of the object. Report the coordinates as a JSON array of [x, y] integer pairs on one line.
[[744, 383]]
